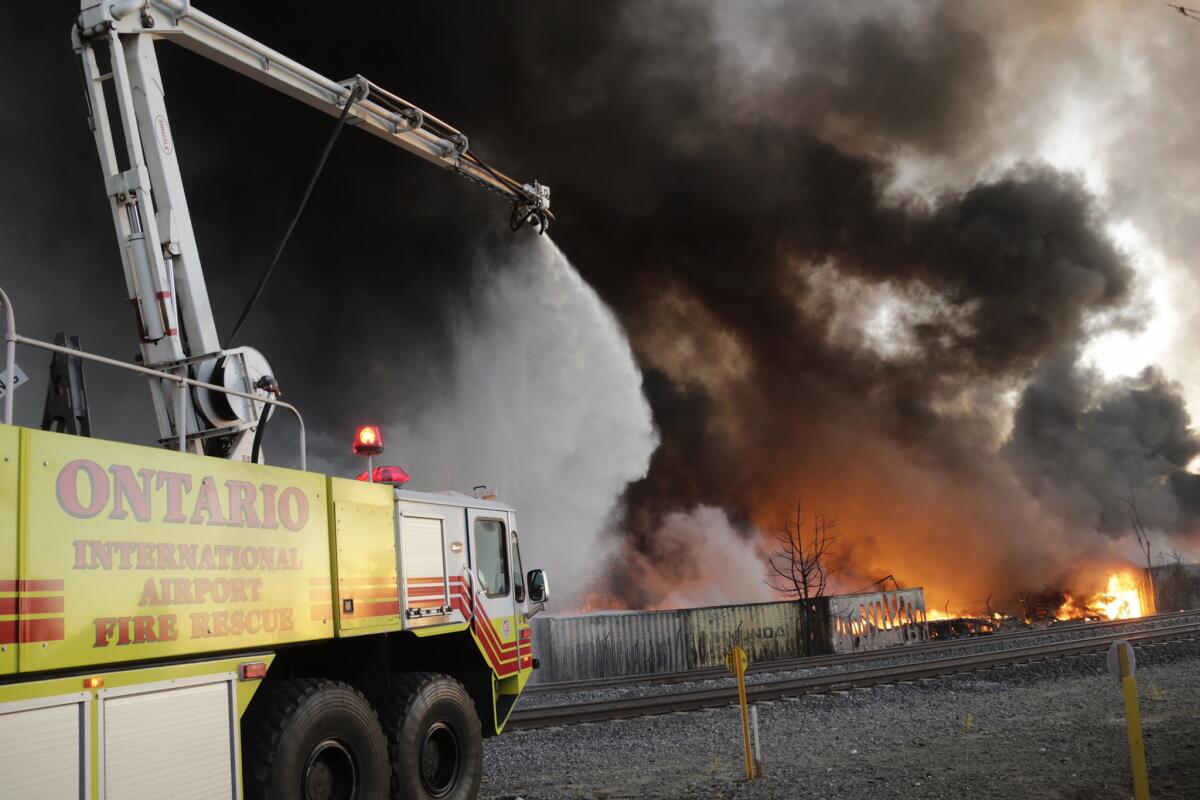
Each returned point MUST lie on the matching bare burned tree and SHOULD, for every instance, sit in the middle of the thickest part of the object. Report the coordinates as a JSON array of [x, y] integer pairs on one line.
[[799, 567]]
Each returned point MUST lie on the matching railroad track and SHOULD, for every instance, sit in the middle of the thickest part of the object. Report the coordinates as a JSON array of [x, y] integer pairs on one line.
[[690, 700], [814, 662]]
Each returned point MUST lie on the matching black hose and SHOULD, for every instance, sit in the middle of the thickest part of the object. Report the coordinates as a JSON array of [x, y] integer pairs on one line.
[[258, 434], [355, 96]]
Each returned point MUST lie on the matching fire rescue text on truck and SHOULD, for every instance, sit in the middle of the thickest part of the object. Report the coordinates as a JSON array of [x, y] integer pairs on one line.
[[188, 622]]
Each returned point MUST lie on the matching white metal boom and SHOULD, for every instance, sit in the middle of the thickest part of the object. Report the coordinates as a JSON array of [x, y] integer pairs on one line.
[[158, 248]]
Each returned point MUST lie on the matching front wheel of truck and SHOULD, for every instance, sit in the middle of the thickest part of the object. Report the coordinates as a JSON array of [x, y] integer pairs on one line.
[[434, 738], [313, 740]]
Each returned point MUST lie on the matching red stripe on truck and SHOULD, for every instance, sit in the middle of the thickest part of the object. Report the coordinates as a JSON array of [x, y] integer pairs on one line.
[[32, 586], [41, 605], [42, 630]]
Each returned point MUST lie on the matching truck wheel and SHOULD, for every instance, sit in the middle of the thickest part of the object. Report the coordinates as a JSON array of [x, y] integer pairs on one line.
[[434, 738], [313, 740]]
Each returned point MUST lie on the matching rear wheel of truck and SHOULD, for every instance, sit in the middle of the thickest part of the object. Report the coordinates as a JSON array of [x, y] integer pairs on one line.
[[313, 740], [434, 738]]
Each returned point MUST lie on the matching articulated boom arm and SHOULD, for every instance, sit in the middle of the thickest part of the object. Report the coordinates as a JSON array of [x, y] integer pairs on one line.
[[376, 110], [162, 263]]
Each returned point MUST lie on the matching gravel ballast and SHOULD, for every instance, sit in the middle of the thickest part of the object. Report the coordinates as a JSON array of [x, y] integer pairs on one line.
[[1052, 729]]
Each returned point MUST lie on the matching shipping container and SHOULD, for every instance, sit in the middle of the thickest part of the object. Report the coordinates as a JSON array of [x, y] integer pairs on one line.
[[876, 619], [608, 644], [767, 631], [1176, 588], [619, 643]]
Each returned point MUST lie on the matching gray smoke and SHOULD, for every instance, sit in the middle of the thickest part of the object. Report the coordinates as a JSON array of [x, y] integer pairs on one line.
[[1084, 447]]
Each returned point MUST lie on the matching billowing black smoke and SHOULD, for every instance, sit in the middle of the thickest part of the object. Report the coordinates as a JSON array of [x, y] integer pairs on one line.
[[721, 176], [1090, 450]]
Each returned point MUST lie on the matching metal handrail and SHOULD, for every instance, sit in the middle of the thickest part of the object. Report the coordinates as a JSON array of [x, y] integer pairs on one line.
[[12, 339], [10, 354]]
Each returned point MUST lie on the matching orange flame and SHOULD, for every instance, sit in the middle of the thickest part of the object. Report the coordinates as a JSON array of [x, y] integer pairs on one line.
[[1121, 599]]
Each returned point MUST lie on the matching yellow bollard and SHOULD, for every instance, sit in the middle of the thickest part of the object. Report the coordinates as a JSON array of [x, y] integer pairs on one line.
[[1123, 665], [736, 662]]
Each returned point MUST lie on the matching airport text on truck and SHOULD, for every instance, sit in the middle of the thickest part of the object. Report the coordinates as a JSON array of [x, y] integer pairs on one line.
[[188, 621]]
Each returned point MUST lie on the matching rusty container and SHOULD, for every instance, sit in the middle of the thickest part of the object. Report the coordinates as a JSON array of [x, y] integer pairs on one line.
[[874, 620]]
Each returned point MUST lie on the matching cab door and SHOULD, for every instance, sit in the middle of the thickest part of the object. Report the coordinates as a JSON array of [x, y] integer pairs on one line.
[[520, 596], [494, 618]]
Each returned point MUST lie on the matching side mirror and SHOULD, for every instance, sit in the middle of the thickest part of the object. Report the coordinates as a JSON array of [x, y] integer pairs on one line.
[[539, 589]]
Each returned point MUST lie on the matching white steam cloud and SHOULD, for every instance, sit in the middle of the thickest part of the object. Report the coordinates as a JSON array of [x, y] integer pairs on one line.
[[722, 567], [544, 403]]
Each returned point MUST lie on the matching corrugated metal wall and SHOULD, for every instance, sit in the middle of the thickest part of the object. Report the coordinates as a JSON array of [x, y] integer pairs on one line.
[[767, 631], [612, 644], [609, 644], [1176, 587]]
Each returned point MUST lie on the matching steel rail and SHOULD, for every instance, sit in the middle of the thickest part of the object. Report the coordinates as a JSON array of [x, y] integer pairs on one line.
[[807, 662], [602, 710]]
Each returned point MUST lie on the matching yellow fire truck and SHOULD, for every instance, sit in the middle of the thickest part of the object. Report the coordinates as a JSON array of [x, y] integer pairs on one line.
[[189, 622]]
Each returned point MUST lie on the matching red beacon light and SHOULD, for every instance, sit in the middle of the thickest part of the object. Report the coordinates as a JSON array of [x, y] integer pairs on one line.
[[393, 475], [368, 441]]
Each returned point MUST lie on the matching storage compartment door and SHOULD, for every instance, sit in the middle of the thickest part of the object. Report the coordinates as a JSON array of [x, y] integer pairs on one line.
[[44, 746], [174, 739], [423, 565], [367, 598]]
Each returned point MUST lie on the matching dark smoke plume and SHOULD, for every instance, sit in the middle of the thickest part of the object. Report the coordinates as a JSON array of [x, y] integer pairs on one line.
[[1086, 448], [729, 184]]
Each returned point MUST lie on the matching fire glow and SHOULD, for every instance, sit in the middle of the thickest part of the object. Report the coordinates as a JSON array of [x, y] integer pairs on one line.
[[1121, 599]]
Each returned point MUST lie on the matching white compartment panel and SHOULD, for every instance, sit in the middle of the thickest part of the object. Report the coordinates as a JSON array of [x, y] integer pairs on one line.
[[43, 751], [173, 742], [424, 553]]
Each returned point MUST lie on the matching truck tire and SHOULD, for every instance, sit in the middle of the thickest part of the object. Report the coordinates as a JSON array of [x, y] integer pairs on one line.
[[433, 737], [313, 740]]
